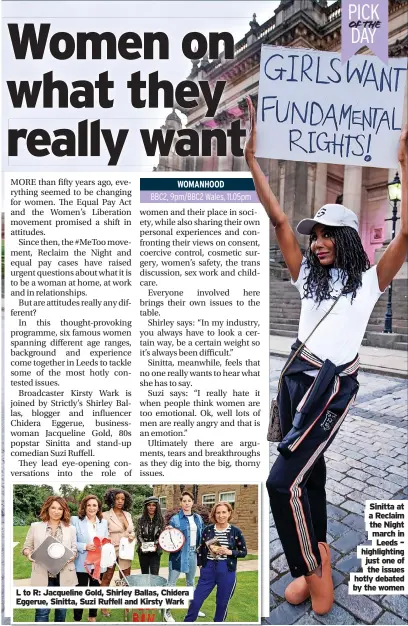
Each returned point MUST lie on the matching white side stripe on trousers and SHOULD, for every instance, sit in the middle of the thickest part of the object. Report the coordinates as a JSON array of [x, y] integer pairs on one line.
[[231, 594], [296, 492]]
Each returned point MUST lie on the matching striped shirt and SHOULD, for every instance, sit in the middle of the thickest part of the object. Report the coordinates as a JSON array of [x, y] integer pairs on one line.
[[222, 537]]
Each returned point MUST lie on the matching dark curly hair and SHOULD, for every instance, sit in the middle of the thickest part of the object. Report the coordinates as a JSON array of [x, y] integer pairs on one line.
[[110, 495], [350, 257], [84, 502]]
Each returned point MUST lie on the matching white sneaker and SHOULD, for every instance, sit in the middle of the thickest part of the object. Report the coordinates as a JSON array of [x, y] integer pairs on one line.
[[167, 616], [201, 614]]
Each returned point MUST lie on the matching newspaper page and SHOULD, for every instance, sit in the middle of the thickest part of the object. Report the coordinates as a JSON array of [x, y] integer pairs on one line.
[[164, 314]]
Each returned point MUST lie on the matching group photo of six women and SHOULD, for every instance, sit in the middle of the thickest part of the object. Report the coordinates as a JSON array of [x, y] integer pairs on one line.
[[214, 548]]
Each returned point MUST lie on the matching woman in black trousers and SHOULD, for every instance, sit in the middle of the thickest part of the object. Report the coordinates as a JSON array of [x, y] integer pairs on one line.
[[338, 289], [148, 528]]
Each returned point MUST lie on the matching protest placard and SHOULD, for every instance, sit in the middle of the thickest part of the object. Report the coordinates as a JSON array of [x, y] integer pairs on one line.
[[311, 107]]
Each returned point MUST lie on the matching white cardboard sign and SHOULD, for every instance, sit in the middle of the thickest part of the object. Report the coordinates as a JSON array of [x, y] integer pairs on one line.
[[311, 107]]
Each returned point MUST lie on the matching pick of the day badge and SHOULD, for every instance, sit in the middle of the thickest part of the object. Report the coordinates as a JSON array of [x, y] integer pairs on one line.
[[364, 24]]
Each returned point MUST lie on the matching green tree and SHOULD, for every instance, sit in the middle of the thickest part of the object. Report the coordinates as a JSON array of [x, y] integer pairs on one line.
[[72, 495], [138, 493], [28, 500]]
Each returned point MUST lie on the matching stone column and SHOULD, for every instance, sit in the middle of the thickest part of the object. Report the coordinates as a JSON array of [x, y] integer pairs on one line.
[[239, 162], [280, 190], [300, 207], [320, 194], [224, 164], [274, 176], [352, 187], [230, 157], [294, 188], [311, 185]]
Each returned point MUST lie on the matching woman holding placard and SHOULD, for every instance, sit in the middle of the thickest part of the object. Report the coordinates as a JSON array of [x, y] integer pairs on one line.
[[319, 381], [55, 522]]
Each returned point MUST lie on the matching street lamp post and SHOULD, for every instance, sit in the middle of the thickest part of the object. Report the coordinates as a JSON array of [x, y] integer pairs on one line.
[[394, 195]]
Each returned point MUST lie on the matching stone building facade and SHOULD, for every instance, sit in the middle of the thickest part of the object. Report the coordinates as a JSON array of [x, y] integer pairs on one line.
[[300, 187], [243, 499]]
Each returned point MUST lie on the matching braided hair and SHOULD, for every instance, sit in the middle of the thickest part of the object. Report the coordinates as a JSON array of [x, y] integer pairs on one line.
[[350, 258], [157, 518]]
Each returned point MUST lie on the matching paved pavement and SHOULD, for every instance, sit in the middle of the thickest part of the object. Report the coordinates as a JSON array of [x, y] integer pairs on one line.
[[367, 460], [377, 360]]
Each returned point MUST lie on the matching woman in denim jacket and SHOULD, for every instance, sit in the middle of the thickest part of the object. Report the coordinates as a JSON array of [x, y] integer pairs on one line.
[[221, 547], [185, 560]]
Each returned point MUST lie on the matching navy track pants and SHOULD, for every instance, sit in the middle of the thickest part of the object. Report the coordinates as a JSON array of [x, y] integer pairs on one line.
[[213, 573], [296, 485]]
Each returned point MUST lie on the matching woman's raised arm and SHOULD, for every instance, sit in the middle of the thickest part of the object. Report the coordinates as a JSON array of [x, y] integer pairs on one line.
[[284, 233], [396, 253]]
